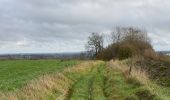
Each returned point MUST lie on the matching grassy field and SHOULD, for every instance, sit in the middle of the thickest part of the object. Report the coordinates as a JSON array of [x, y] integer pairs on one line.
[[88, 80], [16, 73]]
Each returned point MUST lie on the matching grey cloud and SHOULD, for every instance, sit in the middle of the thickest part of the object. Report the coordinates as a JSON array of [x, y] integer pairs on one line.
[[29, 24]]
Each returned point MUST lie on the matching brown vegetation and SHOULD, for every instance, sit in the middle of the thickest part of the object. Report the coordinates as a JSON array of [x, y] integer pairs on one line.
[[126, 42], [140, 77], [156, 66]]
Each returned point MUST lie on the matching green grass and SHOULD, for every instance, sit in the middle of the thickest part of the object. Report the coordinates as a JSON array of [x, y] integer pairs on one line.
[[105, 83], [98, 83], [81, 89], [90, 87], [16, 73], [91, 81], [118, 87]]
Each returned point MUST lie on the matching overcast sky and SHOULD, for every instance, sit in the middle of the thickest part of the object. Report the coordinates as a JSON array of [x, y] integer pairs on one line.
[[38, 26]]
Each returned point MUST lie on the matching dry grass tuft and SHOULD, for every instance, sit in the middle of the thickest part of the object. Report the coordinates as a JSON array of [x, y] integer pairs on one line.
[[138, 74], [142, 77]]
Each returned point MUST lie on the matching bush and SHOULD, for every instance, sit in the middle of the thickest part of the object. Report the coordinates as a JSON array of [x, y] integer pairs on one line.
[[124, 52], [128, 42], [106, 54]]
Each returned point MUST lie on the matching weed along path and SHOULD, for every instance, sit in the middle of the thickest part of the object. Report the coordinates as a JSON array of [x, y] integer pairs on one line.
[[90, 80]]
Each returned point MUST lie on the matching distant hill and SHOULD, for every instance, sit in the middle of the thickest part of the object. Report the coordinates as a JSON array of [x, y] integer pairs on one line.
[[164, 52], [78, 55]]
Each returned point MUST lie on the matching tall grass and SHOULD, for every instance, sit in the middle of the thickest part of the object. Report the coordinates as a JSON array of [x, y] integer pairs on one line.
[[116, 85], [141, 76]]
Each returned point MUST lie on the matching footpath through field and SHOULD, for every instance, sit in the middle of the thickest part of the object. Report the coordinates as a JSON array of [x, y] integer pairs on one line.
[[90, 80], [107, 81]]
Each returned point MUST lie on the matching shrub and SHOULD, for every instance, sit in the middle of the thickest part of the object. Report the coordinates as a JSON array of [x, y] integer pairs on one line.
[[124, 52], [128, 42]]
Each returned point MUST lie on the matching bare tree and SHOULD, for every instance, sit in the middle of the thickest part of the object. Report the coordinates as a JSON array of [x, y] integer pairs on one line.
[[117, 35], [135, 34], [95, 43], [129, 34]]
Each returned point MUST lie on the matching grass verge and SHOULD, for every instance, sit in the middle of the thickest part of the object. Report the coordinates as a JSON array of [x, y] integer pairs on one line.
[[148, 89]]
